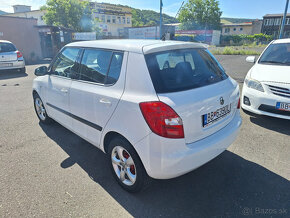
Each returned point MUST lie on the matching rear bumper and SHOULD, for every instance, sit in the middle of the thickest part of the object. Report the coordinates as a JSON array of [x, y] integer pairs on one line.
[[15, 65], [263, 103], [168, 158]]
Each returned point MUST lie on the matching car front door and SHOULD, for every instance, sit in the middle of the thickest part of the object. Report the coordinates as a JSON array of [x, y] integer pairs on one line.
[[59, 82], [94, 97]]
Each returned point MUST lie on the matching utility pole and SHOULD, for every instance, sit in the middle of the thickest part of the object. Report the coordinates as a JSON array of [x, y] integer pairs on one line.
[[160, 27], [284, 19]]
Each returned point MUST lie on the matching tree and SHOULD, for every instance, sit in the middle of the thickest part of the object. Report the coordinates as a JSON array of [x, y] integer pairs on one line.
[[72, 14], [200, 14]]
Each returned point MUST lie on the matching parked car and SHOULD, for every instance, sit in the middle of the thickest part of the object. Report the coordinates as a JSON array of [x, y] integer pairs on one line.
[[10, 57], [159, 109], [266, 89]]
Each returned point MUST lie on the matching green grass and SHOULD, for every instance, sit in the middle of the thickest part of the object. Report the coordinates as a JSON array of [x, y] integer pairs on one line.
[[235, 51]]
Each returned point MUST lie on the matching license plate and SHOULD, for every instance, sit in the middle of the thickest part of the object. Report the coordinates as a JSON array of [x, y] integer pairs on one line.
[[6, 64], [214, 116], [283, 106]]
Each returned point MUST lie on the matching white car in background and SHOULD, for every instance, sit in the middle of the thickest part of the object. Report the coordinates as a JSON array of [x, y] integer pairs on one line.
[[266, 89], [157, 108], [10, 57]]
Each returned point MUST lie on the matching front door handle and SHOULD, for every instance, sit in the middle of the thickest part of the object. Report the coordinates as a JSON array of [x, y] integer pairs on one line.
[[105, 101], [64, 90]]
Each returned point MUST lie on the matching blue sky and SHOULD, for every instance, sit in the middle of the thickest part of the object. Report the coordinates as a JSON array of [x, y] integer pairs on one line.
[[230, 8]]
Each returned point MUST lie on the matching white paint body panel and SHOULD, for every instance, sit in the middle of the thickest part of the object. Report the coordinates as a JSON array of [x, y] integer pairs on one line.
[[162, 157], [267, 74]]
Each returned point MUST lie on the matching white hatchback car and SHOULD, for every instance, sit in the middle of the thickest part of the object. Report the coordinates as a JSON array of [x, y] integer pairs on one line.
[[10, 57], [158, 108], [266, 89]]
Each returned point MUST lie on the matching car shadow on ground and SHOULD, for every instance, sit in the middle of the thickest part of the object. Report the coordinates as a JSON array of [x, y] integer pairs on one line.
[[11, 74], [271, 123], [228, 186]]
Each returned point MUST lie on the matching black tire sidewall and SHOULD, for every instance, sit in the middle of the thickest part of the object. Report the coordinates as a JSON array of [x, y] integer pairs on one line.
[[141, 174]]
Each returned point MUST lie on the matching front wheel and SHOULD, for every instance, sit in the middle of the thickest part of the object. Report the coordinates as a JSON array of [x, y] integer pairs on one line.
[[40, 110], [126, 166]]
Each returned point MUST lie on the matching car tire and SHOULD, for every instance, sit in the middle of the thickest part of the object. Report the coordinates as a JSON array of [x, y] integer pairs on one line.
[[22, 70], [134, 177], [40, 110]]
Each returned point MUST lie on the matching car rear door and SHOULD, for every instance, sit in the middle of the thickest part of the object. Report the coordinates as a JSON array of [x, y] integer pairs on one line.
[[58, 86], [95, 95], [193, 83]]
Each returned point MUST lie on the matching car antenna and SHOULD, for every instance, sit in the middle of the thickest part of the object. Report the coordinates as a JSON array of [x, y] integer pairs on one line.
[[163, 38]]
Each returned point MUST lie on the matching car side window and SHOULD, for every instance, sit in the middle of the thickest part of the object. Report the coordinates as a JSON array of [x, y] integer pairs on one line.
[[95, 64], [115, 68], [65, 64]]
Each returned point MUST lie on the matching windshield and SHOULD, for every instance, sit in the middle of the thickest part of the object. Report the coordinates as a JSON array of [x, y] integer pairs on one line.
[[278, 54], [6, 47], [183, 69]]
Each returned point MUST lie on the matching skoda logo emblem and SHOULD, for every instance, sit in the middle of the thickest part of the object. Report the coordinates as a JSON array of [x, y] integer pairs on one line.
[[222, 101]]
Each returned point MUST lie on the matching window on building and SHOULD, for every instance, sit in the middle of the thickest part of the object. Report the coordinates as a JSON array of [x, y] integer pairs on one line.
[[41, 17], [108, 19], [235, 29], [287, 21], [118, 20], [266, 22], [271, 22], [241, 29], [103, 18], [227, 30], [128, 20], [124, 20], [113, 19], [277, 21]]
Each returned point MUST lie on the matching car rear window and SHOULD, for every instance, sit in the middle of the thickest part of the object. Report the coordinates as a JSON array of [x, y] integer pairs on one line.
[[184, 69], [6, 47]]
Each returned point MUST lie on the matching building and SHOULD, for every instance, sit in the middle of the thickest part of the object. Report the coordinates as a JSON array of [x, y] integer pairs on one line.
[[247, 28], [24, 35], [26, 12], [112, 19], [272, 24]]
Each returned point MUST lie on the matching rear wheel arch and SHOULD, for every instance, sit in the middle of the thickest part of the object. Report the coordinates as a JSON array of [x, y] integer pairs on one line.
[[109, 137]]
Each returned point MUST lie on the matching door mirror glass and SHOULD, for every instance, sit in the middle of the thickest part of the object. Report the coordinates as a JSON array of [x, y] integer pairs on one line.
[[251, 59], [41, 71]]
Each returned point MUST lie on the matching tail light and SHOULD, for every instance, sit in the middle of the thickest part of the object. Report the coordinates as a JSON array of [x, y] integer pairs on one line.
[[239, 104], [19, 54], [162, 119]]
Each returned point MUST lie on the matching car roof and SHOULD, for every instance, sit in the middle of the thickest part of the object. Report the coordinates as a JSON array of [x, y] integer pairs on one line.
[[6, 41], [144, 46], [281, 41]]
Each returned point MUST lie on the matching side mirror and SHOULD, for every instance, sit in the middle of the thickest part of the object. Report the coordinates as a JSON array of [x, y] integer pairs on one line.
[[251, 59], [41, 71]]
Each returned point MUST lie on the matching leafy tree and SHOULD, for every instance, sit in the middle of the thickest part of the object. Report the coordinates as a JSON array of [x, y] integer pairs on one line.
[[72, 14], [200, 14], [149, 18]]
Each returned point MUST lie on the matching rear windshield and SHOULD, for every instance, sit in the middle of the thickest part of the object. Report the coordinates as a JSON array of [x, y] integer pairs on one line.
[[184, 69], [6, 47]]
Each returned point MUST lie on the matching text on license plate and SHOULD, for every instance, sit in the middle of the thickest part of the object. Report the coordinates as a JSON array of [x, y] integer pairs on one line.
[[283, 106], [214, 116], [6, 64]]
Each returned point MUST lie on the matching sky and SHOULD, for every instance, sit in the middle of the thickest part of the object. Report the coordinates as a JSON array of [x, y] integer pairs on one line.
[[230, 8]]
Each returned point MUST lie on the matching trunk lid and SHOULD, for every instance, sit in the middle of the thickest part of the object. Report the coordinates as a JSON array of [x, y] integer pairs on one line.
[[8, 56], [192, 104]]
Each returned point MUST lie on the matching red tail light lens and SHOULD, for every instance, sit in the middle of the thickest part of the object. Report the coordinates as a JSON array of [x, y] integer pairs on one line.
[[239, 104], [162, 119], [19, 54]]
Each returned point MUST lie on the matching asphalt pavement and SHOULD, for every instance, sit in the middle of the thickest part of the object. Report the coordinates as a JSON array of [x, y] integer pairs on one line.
[[47, 171]]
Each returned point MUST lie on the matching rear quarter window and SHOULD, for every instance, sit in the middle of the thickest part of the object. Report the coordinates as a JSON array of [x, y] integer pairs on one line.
[[183, 69]]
